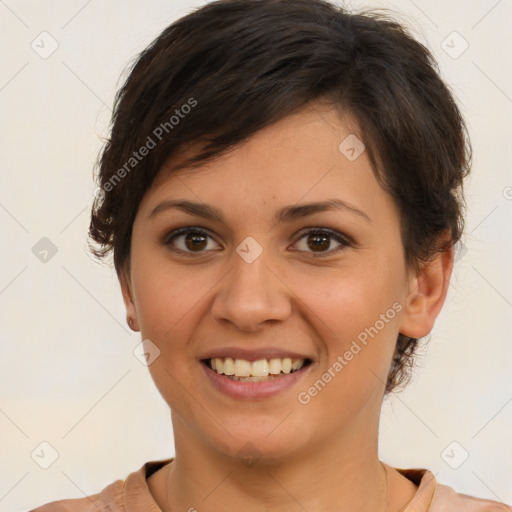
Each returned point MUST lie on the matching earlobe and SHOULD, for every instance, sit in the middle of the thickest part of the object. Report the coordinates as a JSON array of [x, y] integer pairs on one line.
[[126, 290], [427, 294]]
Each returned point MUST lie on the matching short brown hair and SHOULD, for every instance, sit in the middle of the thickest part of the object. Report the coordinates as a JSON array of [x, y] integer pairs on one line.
[[240, 65]]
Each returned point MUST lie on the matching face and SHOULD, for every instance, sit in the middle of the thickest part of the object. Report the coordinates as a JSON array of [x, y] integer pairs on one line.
[[328, 284]]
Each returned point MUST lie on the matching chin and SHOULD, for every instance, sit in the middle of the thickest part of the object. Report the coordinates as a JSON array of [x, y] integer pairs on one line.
[[259, 445]]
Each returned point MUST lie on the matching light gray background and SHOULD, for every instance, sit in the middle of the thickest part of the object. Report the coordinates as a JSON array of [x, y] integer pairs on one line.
[[68, 375]]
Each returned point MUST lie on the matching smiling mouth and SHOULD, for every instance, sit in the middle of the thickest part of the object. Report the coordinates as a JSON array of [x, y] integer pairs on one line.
[[256, 371]]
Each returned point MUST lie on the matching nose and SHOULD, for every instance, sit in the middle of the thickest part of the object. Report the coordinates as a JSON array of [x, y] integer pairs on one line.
[[252, 293]]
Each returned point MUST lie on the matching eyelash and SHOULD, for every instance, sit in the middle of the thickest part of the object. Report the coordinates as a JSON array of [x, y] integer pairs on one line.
[[338, 237]]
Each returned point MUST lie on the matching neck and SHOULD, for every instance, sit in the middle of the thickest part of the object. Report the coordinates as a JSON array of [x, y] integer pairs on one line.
[[345, 474]]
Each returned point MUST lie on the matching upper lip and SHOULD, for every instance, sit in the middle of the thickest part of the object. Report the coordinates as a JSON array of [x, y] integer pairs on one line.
[[253, 354]]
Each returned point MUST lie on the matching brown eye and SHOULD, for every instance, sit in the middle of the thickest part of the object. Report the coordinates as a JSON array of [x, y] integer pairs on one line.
[[188, 240], [195, 241], [319, 241]]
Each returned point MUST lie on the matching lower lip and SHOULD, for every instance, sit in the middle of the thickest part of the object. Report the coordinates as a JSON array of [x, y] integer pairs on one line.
[[254, 390]]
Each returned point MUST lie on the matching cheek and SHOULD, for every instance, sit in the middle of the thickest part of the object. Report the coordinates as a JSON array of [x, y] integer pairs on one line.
[[170, 306], [356, 347], [161, 305], [168, 295], [348, 301], [355, 316]]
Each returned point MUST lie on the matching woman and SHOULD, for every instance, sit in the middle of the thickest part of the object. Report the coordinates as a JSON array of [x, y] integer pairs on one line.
[[282, 194]]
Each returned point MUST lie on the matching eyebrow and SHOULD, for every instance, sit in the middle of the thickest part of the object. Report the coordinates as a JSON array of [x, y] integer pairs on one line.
[[286, 214]]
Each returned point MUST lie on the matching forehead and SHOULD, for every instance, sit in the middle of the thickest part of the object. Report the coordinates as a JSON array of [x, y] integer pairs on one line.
[[301, 158]]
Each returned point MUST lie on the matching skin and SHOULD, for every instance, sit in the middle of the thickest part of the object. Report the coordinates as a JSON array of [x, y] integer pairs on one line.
[[319, 456]]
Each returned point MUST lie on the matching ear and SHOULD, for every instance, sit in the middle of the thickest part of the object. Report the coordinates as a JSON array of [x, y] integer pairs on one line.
[[427, 292], [127, 291]]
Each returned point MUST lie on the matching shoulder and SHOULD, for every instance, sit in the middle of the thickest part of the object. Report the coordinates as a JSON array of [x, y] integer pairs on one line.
[[432, 496], [87, 504], [446, 499], [109, 499], [132, 491]]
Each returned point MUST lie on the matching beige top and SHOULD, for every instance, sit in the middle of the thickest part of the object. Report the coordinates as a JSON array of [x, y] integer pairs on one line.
[[133, 495]]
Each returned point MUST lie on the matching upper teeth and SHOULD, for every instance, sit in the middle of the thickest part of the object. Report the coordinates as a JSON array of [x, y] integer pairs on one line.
[[260, 368]]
